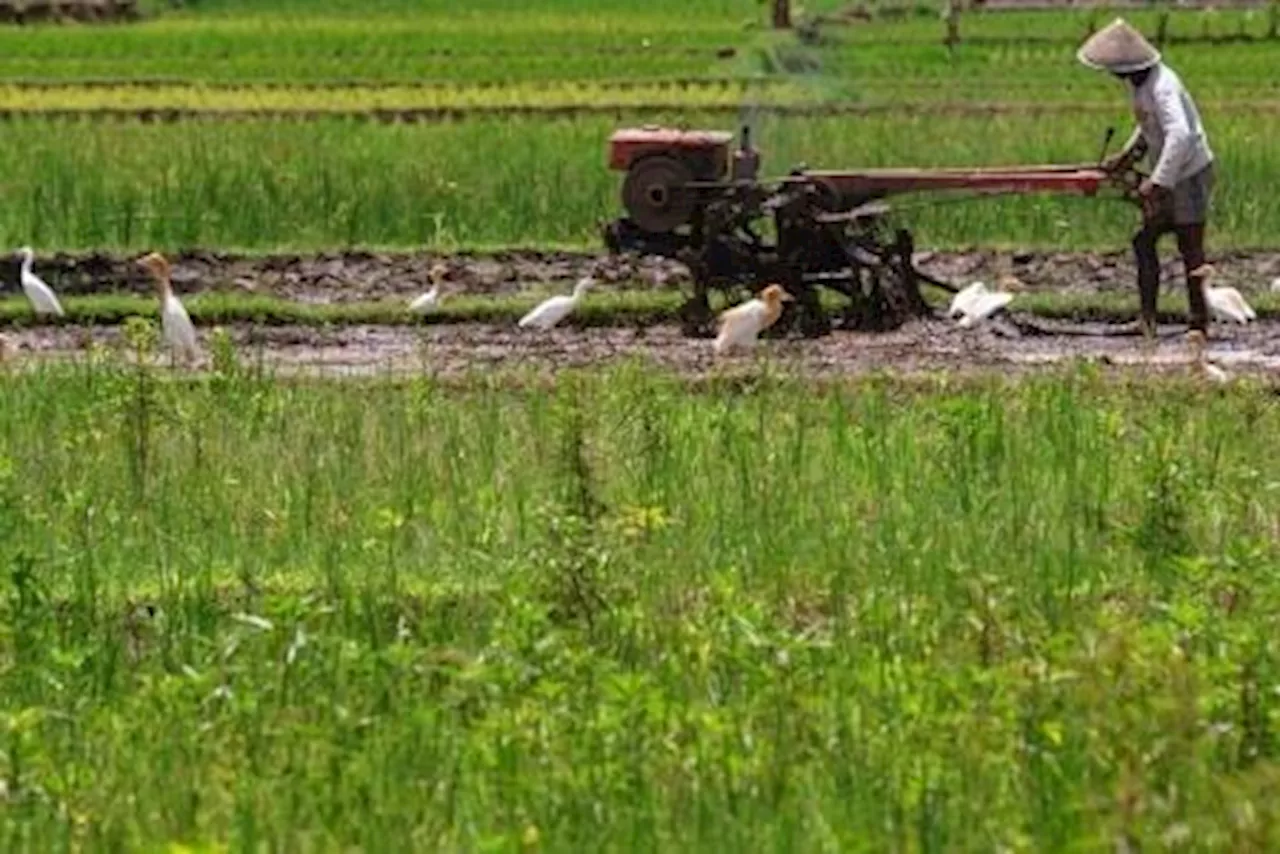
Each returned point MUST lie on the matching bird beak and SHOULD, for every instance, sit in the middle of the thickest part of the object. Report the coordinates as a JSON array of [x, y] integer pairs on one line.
[[786, 297]]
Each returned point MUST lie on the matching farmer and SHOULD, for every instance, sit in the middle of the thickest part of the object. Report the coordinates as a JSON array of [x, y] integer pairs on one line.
[[1175, 198]]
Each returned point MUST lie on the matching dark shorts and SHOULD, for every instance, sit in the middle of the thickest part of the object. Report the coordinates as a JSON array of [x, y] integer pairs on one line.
[[1192, 197]]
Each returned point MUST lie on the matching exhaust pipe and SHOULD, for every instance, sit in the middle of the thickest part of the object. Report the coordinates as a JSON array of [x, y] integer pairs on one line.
[[746, 160]]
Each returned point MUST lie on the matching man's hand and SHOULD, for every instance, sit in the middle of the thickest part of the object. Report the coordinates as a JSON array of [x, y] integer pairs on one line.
[[1153, 198], [1126, 157]]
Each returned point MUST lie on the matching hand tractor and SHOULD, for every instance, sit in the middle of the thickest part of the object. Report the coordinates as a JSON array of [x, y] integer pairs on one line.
[[688, 195]]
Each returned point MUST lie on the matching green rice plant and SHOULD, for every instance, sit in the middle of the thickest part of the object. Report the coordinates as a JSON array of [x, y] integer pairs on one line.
[[620, 611], [542, 41], [1036, 73], [370, 66], [1063, 25], [725, 93], [619, 305], [536, 42], [210, 308], [267, 185], [477, 10], [545, 42]]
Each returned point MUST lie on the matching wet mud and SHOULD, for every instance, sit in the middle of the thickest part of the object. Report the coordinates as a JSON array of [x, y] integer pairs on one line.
[[921, 347], [361, 276], [1016, 343]]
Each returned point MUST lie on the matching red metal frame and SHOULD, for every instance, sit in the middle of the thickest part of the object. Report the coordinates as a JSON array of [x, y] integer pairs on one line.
[[627, 146], [876, 183]]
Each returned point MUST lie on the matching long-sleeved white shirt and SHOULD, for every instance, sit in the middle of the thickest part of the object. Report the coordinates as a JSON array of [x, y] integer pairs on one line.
[[1168, 121]]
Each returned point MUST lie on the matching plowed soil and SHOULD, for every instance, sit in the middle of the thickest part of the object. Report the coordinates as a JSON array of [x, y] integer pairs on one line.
[[359, 276], [918, 347], [1014, 344]]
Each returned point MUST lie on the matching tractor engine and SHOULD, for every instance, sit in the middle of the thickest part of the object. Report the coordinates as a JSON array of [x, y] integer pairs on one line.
[[664, 168]]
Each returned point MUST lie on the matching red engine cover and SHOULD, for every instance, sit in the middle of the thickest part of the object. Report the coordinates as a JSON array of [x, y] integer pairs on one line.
[[709, 147]]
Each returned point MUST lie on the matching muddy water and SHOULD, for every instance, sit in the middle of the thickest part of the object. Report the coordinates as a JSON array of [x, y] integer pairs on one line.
[[1002, 346]]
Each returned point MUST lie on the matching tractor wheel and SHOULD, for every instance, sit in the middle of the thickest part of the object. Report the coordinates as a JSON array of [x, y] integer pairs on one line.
[[654, 194], [696, 319], [814, 322]]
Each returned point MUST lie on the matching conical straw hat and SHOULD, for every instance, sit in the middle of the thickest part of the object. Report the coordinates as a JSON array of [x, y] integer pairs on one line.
[[1118, 48]]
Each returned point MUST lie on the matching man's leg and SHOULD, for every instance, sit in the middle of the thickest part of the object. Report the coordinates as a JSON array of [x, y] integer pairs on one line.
[[1191, 247], [1148, 260], [1191, 201]]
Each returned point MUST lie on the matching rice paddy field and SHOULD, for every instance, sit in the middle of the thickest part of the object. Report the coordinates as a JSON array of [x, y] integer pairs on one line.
[[257, 128], [363, 580]]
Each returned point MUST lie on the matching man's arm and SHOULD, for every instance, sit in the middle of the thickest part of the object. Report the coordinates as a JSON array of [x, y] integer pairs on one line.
[[1177, 138], [1130, 153], [1135, 139]]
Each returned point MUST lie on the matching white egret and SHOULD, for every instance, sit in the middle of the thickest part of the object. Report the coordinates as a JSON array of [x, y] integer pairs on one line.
[[1200, 344], [741, 325], [1010, 282], [976, 302], [961, 301], [983, 306], [551, 311], [175, 324], [41, 296], [1214, 373], [1225, 303], [428, 302]]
